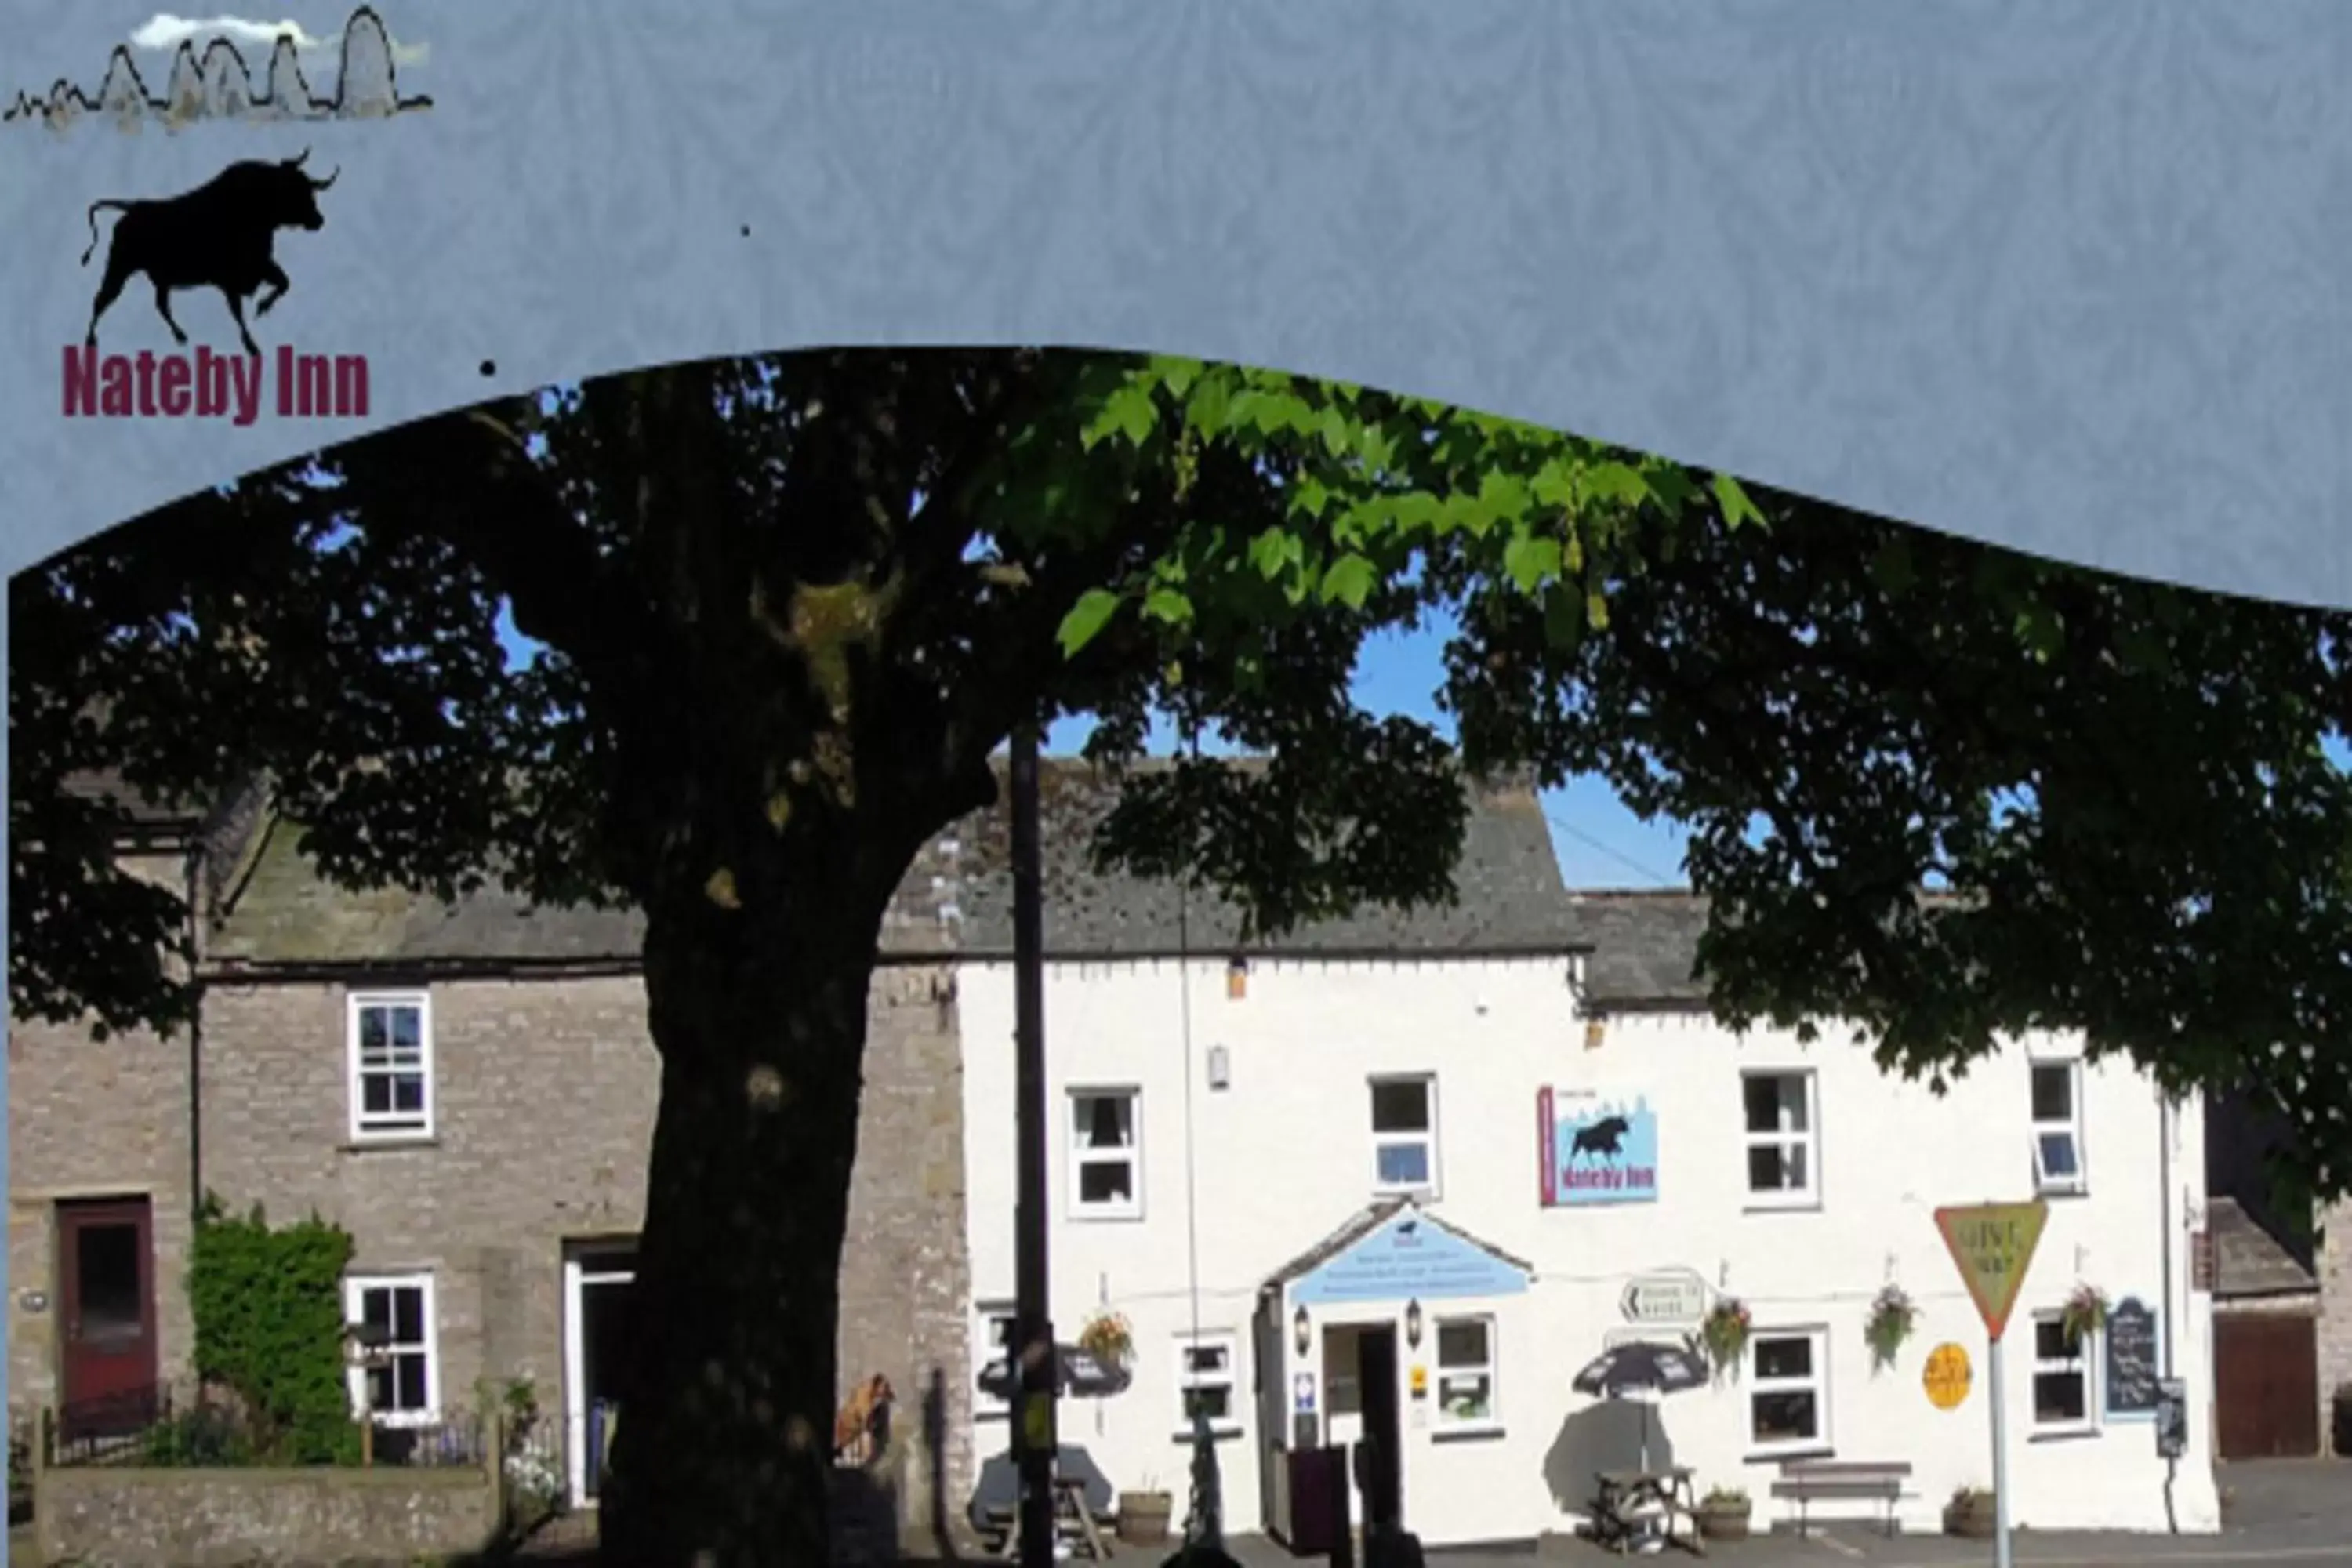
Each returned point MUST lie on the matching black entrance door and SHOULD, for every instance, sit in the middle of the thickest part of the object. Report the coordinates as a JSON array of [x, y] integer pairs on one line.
[[1382, 1471]]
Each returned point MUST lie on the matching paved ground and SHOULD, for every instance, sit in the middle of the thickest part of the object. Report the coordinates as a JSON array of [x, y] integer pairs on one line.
[[2294, 1514]]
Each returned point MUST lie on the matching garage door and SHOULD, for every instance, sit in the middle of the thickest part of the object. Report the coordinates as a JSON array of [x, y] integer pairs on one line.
[[2265, 1386]]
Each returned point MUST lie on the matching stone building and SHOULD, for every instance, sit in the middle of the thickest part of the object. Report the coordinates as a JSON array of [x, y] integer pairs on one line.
[[471, 1092]]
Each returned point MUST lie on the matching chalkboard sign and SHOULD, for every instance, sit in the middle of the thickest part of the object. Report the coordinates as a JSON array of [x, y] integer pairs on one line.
[[2133, 1359]]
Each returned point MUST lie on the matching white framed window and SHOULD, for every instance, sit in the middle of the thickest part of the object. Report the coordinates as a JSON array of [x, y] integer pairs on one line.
[[1207, 1382], [1404, 1134], [992, 1342], [391, 1065], [1465, 1375], [1106, 1153], [1783, 1138], [404, 1388], [2057, 1091], [2062, 1377], [1788, 1389]]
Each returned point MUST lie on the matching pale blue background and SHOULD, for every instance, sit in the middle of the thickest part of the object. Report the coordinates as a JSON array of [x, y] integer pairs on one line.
[[2064, 274]]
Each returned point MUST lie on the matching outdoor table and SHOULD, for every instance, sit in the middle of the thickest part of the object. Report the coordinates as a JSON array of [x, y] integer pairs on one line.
[[1073, 1519], [1626, 1495]]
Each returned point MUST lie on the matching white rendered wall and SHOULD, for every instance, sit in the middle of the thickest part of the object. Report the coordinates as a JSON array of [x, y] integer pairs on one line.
[[1282, 1156]]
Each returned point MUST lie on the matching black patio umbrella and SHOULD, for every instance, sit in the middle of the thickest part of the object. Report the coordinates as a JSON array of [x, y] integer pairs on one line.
[[1640, 1370], [1078, 1373]]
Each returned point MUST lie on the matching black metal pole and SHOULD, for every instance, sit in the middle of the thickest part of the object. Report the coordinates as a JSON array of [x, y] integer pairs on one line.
[[1033, 1436]]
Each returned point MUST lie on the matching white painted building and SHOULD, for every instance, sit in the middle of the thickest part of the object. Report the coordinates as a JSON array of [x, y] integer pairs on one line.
[[1328, 1163]]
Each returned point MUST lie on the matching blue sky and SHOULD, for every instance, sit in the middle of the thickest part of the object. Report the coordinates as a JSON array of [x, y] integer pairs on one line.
[[1599, 843]]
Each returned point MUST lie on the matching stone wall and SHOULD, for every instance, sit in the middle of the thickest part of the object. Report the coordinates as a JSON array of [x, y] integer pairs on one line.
[[216, 1518], [545, 1094], [2335, 1270]]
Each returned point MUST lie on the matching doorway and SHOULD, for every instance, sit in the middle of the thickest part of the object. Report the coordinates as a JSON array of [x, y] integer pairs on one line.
[[2266, 1385], [597, 1293], [1361, 1405], [106, 1310]]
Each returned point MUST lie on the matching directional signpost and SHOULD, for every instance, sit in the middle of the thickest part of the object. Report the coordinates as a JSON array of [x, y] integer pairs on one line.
[[1993, 1244]]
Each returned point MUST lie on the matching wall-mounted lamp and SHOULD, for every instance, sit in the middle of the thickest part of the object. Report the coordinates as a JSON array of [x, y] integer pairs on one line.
[[1237, 979], [1412, 1323], [1302, 1331], [1594, 1031], [1221, 1068]]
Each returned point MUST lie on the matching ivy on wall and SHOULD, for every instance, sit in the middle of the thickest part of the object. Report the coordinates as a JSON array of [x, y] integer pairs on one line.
[[269, 1311]]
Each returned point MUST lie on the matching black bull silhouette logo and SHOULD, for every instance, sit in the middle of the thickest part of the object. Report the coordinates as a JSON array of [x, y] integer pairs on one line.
[[1603, 1139], [219, 236]]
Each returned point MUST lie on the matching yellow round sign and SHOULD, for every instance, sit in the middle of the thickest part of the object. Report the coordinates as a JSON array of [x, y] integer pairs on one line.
[[1947, 1376]]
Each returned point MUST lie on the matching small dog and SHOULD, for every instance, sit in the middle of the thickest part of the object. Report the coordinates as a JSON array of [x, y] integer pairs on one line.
[[862, 1425]]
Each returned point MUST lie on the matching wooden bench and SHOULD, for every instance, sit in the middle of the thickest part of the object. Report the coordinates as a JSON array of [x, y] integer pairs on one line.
[[1806, 1480]]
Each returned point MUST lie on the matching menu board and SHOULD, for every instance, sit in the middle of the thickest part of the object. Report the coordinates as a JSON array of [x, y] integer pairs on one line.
[[2134, 1361]]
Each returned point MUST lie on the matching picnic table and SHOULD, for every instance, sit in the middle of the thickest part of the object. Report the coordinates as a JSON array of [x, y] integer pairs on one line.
[[1074, 1521], [1629, 1500]]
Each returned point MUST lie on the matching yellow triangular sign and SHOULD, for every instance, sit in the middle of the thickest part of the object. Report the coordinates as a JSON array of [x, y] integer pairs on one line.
[[1992, 1243]]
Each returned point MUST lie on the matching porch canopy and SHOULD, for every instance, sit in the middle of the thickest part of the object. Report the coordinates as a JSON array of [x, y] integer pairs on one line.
[[1394, 1251]]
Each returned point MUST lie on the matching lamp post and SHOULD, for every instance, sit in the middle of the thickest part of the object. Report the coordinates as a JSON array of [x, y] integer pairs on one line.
[[368, 1346], [1033, 1437]]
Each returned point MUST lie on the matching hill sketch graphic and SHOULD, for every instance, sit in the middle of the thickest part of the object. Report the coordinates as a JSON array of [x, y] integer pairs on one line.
[[217, 85]]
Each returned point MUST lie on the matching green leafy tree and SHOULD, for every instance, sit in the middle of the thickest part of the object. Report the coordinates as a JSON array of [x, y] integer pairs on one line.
[[791, 605], [269, 1314]]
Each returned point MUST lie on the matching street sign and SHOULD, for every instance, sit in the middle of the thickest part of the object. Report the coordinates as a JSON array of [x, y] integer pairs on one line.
[[1992, 1244], [1679, 1297], [1947, 1376]]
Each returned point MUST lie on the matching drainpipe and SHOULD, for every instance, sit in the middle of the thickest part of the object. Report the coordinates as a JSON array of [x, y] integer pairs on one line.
[[2165, 1128], [196, 872]]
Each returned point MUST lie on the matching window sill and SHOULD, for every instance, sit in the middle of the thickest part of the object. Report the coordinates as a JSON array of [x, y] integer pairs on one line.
[[1479, 1432], [1104, 1216], [2062, 1193], [2063, 1434], [1810, 1205], [369, 1143]]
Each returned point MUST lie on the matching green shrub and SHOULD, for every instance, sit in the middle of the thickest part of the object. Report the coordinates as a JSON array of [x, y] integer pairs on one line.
[[269, 1311]]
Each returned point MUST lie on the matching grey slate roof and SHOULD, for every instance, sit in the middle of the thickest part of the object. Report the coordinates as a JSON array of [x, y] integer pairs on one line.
[[1511, 899], [957, 894], [2247, 1260], [1643, 946]]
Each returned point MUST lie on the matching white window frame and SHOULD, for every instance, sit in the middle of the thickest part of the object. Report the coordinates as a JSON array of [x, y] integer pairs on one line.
[[355, 1288], [1084, 1155], [2084, 1363], [1809, 1139], [1491, 1367], [1188, 1380], [395, 1127], [2070, 1128], [986, 1350], [1818, 1384], [1380, 1140]]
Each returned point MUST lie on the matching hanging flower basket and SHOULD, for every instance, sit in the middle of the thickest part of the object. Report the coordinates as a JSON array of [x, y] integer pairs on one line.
[[2085, 1314], [1108, 1337], [1893, 1316], [1724, 1336]]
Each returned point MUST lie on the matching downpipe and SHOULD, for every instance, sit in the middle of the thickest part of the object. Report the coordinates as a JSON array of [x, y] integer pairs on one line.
[[2166, 1127]]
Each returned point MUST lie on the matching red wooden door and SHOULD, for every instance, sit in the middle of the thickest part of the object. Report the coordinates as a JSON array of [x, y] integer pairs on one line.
[[106, 1310], [2266, 1385]]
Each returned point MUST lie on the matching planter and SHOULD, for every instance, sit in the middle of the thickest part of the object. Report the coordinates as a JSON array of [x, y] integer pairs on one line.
[[1725, 1521], [1143, 1517], [1970, 1521]]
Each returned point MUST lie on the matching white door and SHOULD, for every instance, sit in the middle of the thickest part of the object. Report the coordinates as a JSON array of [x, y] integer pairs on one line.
[[1343, 1406], [586, 1276]]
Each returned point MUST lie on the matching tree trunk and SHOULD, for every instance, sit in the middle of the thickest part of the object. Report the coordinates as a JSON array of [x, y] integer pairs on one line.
[[723, 1444]]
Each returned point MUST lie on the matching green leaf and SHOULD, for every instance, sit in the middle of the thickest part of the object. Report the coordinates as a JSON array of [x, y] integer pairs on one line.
[[1086, 619], [1349, 581], [1170, 605], [1275, 552], [1531, 559], [1733, 501]]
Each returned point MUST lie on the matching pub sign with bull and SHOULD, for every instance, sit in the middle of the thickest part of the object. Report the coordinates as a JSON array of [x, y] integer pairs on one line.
[[1596, 1149]]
